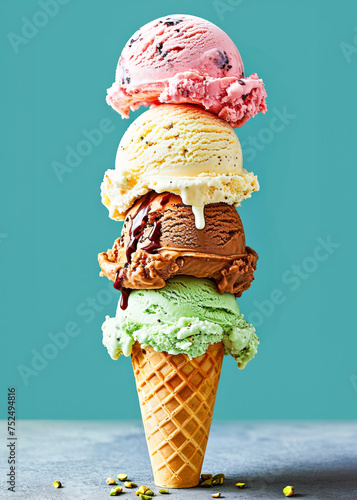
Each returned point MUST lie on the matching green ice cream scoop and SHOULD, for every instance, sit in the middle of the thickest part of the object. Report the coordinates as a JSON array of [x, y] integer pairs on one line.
[[186, 316]]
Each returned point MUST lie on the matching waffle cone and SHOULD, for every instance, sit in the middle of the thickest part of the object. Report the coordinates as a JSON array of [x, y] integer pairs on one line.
[[177, 396]]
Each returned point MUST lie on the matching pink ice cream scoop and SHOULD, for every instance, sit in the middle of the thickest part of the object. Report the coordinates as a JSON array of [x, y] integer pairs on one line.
[[185, 59]]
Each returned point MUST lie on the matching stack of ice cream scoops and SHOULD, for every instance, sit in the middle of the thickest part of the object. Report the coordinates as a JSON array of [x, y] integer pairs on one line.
[[181, 259]]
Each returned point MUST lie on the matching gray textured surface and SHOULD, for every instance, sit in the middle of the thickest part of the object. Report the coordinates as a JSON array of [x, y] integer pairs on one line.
[[319, 459]]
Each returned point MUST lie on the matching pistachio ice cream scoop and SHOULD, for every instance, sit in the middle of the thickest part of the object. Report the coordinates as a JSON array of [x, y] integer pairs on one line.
[[186, 316]]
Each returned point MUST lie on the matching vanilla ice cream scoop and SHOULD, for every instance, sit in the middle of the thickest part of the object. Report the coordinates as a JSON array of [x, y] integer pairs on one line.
[[183, 150]]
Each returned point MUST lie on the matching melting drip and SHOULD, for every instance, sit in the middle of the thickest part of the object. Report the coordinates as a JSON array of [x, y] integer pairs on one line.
[[199, 214], [198, 211], [135, 233], [138, 225], [136, 230], [154, 238], [125, 292]]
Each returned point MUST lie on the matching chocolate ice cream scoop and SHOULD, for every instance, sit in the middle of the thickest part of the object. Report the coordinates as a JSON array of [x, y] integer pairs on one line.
[[160, 239]]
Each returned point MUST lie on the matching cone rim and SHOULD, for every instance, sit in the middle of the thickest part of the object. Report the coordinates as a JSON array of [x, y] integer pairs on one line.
[[211, 347]]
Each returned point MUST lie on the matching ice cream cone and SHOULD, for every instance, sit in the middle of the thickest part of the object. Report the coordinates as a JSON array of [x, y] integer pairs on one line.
[[177, 396]]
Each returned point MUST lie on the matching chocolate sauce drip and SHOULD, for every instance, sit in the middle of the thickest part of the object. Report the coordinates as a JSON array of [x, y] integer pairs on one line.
[[135, 233], [125, 292], [154, 237], [124, 298], [136, 229], [138, 226], [166, 197]]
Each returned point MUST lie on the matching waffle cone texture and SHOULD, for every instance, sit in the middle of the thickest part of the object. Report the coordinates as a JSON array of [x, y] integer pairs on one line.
[[177, 397]]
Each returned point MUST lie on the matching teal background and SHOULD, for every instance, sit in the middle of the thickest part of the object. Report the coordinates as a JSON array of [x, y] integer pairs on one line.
[[51, 231]]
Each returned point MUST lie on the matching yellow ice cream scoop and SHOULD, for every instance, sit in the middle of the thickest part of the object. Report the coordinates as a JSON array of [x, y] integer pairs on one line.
[[183, 150]]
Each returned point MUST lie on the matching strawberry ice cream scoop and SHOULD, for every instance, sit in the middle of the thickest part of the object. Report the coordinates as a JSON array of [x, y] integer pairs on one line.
[[185, 59]]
